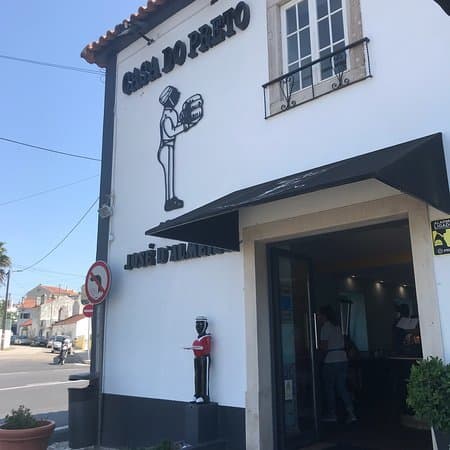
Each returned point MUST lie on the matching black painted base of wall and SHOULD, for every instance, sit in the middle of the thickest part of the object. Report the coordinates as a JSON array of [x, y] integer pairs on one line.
[[137, 421]]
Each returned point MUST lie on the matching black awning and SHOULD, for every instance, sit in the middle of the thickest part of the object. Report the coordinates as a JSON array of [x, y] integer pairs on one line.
[[416, 168], [444, 4]]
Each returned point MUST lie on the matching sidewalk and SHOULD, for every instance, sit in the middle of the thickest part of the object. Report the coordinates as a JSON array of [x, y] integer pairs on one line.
[[79, 357], [65, 446]]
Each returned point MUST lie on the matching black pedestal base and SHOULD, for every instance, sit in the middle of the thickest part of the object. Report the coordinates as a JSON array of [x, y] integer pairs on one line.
[[201, 421]]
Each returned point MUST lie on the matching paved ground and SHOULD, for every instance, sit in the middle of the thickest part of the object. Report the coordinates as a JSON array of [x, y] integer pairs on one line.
[[29, 377], [65, 446]]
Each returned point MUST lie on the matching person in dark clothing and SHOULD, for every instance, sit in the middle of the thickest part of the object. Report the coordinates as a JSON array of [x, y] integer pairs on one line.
[[335, 365]]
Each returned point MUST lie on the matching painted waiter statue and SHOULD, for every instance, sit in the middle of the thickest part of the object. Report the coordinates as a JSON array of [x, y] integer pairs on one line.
[[201, 348], [171, 125]]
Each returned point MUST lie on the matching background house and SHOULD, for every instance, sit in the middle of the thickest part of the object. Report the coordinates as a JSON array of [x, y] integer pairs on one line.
[[77, 327], [45, 305]]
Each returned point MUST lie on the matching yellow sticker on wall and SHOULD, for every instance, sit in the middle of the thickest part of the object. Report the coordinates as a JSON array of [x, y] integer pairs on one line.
[[441, 236]]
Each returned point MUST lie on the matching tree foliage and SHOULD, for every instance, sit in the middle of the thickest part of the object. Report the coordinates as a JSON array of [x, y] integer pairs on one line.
[[5, 262]]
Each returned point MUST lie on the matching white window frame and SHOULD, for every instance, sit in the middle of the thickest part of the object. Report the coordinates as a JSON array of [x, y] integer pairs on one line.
[[313, 36], [357, 68]]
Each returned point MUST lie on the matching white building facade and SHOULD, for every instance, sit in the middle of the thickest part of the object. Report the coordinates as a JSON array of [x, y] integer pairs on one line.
[[188, 124]]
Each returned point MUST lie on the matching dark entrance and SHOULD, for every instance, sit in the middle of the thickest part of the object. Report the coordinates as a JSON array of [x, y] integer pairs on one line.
[[366, 276]]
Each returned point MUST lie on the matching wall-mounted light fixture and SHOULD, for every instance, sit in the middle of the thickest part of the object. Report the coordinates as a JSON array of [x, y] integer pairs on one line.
[[136, 27], [106, 209]]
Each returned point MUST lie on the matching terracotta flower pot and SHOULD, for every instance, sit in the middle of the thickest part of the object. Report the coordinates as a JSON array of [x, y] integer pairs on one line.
[[27, 439]]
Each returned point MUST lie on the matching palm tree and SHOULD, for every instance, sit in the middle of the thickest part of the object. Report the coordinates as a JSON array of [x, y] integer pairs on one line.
[[5, 262]]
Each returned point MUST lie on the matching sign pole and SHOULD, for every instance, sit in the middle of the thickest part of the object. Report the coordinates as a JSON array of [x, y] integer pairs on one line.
[[5, 313], [89, 339]]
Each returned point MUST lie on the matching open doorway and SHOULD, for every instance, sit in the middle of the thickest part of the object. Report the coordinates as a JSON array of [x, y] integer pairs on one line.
[[365, 275]]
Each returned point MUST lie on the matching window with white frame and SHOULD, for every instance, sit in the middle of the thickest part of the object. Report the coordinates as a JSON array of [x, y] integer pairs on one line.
[[312, 29], [300, 36]]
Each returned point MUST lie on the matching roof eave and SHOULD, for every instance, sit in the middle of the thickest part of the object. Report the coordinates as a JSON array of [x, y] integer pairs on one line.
[[444, 4], [124, 34]]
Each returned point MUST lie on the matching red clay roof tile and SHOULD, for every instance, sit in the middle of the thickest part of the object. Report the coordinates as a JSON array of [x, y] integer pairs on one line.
[[72, 319], [58, 291], [89, 52], [28, 303]]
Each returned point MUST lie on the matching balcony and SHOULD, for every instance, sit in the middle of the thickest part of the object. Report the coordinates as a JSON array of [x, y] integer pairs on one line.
[[330, 73]]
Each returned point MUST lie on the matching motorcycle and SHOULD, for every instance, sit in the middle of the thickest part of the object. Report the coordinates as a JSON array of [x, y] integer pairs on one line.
[[63, 354]]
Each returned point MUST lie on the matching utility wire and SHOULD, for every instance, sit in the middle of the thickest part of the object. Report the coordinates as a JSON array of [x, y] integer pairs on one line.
[[55, 66], [45, 149], [62, 240], [54, 272], [47, 191]]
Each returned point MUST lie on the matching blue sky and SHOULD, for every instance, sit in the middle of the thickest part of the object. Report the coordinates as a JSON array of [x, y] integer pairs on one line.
[[53, 108]]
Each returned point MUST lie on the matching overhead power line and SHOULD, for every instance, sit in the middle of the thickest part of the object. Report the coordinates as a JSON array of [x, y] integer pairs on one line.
[[62, 240], [47, 191], [54, 272], [45, 149], [55, 66]]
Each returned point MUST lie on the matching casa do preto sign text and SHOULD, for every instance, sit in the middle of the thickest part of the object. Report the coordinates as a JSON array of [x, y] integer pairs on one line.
[[206, 37]]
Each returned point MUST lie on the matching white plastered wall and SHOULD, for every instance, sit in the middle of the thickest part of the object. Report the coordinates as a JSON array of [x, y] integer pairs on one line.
[[151, 311]]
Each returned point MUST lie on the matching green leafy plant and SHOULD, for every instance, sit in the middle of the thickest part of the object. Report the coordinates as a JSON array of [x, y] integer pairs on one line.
[[164, 445], [20, 419], [429, 392]]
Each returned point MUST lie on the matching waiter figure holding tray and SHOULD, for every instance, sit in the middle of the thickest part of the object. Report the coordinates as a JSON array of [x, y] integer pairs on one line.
[[201, 348]]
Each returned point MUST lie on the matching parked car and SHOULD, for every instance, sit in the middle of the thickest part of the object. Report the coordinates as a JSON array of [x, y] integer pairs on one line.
[[58, 342], [50, 341], [13, 339], [22, 340], [39, 341]]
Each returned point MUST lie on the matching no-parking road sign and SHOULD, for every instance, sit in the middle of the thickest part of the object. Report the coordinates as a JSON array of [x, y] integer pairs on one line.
[[98, 282]]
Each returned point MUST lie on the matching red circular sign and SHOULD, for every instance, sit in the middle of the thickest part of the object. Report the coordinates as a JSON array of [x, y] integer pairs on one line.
[[88, 310], [98, 282]]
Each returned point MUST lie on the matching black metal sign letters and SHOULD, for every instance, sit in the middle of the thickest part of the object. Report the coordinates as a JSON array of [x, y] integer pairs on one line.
[[207, 36], [171, 125], [172, 253]]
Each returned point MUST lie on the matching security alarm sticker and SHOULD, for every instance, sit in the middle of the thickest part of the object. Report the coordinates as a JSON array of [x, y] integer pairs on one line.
[[201, 40], [441, 236], [98, 282]]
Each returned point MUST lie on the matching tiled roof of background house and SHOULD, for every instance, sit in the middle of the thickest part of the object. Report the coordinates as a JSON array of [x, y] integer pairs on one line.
[[58, 291], [72, 319], [89, 52], [28, 303], [27, 323]]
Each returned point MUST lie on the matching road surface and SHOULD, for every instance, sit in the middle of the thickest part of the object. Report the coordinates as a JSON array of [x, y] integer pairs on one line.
[[29, 377]]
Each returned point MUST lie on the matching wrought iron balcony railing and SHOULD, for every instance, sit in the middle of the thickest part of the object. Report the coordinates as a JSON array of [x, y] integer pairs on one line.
[[329, 73]]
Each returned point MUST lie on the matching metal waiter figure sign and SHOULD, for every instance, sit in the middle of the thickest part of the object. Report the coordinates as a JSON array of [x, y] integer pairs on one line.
[[202, 349], [171, 125], [98, 282]]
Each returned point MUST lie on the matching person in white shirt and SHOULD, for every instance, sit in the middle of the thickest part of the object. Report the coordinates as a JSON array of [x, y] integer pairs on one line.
[[335, 364]]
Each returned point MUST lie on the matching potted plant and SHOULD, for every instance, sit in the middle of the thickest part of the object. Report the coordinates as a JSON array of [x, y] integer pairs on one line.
[[21, 431], [429, 397]]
